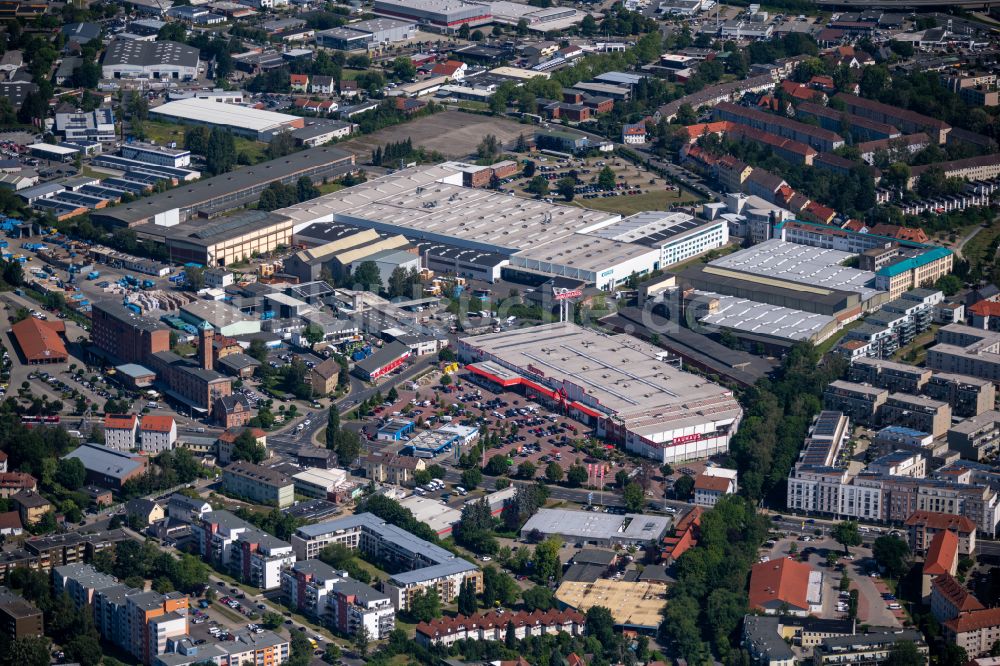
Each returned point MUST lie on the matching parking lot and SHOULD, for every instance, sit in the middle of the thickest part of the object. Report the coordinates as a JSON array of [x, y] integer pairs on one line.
[[527, 431], [876, 605]]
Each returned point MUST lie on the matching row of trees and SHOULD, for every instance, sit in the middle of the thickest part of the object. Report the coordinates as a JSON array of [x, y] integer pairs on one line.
[[278, 195]]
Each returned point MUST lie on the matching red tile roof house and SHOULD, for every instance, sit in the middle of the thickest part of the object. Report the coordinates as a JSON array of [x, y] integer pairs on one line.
[[453, 69], [942, 558], [120, 431], [949, 598], [11, 483], [300, 82], [976, 631], [686, 533], [785, 585], [492, 626]]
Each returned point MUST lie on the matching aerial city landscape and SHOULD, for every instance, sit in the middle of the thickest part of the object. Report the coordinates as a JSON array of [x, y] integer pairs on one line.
[[499, 333]]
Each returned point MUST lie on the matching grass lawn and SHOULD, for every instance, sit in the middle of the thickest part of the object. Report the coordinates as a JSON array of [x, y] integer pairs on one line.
[[918, 347], [329, 187], [90, 173], [221, 609], [165, 133], [829, 343], [629, 205]]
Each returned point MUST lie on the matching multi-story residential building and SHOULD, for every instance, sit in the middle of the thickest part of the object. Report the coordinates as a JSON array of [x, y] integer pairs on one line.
[[870, 648], [817, 137], [424, 565], [900, 463], [908, 121], [968, 396], [942, 558], [120, 430], [187, 509], [247, 648], [918, 412], [11, 483], [18, 617], [923, 526], [975, 631], [976, 438], [967, 351], [395, 469], [493, 626], [80, 581], [353, 607], [896, 377], [949, 599], [157, 434], [258, 484], [226, 441], [214, 535], [858, 402], [259, 558], [307, 584], [713, 484]]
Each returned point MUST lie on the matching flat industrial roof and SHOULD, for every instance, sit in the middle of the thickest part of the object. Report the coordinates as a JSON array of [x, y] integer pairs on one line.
[[749, 316], [654, 228], [594, 525], [804, 264], [430, 203], [585, 252], [221, 113], [615, 374], [434, 513]]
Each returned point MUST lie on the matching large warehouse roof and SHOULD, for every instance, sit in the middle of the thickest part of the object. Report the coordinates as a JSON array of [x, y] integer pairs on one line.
[[219, 113], [430, 203], [147, 54], [228, 185], [618, 375], [772, 321], [801, 263]]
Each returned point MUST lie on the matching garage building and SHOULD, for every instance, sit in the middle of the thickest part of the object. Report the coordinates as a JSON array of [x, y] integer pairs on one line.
[[39, 341]]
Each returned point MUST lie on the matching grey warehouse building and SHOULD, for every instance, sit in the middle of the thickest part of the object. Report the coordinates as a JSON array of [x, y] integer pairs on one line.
[[133, 59], [367, 34], [600, 529], [444, 15], [213, 195]]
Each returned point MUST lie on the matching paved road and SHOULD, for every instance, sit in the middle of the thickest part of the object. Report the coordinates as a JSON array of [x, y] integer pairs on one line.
[[288, 440]]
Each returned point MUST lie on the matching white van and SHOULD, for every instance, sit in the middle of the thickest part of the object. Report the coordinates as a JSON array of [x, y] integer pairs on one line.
[[461, 491]]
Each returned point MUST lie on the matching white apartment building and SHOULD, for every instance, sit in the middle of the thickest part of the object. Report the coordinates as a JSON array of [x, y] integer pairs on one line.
[[157, 434], [259, 558], [120, 431]]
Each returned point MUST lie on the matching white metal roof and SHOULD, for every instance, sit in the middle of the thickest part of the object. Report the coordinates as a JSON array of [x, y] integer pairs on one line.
[[220, 113]]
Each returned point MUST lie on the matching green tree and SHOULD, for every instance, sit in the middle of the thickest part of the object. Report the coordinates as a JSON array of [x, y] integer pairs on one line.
[[246, 447], [566, 187], [553, 472], [368, 276], [892, 554], [606, 179], [526, 470], [684, 487], [576, 476], [425, 606], [332, 426], [471, 478], [220, 153], [846, 534], [949, 284], [538, 185], [600, 624], [547, 564], [528, 170], [27, 651], [499, 588], [467, 603], [497, 465], [463, 31], [403, 68], [70, 473], [634, 497], [538, 598], [905, 653]]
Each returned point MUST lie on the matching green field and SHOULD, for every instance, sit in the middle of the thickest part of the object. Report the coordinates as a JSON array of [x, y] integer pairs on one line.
[[165, 133], [629, 205]]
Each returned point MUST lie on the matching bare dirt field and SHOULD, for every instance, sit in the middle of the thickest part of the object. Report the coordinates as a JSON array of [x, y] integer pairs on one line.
[[452, 133]]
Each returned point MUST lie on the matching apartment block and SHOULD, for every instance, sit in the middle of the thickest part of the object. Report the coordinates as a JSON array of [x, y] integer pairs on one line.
[[975, 631], [120, 431], [900, 463], [423, 565], [976, 438], [18, 617], [80, 581], [870, 648], [818, 138], [918, 412], [949, 599], [246, 648], [923, 526], [965, 350], [493, 626], [858, 402], [968, 396], [259, 558], [896, 377], [907, 121], [258, 484]]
